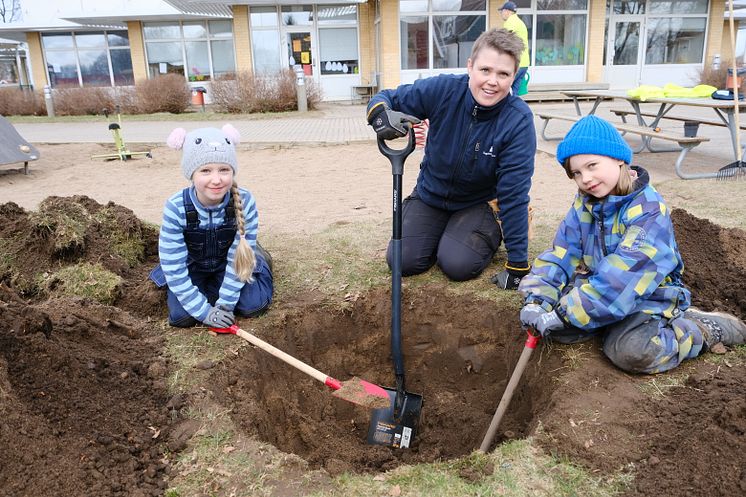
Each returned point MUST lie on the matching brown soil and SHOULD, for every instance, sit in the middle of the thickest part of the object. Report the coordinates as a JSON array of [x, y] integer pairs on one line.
[[86, 410]]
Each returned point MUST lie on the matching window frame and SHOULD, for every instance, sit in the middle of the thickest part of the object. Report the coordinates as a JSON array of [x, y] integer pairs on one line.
[[106, 47], [209, 37]]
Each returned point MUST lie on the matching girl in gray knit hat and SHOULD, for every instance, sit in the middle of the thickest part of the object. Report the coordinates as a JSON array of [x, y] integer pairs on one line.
[[210, 260]]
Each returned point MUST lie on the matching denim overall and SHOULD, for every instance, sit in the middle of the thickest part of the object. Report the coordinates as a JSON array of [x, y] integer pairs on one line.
[[206, 262]]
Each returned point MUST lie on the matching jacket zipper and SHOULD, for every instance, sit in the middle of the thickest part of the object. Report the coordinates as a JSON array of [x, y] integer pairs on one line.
[[602, 229], [461, 148]]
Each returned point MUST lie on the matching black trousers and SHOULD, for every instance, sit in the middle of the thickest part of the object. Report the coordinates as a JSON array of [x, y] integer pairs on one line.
[[461, 242]]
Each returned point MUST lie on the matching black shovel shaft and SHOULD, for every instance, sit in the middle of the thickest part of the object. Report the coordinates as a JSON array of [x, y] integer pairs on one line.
[[397, 158]]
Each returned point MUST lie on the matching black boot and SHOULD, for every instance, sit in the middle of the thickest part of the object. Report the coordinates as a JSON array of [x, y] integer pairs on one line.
[[718, 327], [265, 254]]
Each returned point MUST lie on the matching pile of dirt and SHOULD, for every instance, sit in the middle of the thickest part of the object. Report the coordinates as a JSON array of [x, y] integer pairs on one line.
[[86, 409]]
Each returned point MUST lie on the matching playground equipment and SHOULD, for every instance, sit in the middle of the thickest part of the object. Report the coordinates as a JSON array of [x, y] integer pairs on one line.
[[122, 153]]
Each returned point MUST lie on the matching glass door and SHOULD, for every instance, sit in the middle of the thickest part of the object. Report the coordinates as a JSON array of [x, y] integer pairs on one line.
[[624, 52], [301, 48]]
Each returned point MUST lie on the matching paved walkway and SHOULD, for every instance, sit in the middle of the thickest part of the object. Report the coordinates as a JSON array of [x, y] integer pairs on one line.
[[333, 124]]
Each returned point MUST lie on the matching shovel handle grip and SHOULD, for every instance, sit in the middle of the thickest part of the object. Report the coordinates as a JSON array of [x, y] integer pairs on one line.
[[302, 366]]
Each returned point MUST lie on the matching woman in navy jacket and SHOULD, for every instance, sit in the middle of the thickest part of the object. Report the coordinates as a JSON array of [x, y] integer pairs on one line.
[[480, 147]]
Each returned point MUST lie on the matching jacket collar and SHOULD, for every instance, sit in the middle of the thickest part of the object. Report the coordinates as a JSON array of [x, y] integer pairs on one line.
[[484, 113]]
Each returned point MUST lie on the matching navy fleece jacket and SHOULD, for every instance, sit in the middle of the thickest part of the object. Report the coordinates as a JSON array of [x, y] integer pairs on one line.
[[474, 154]]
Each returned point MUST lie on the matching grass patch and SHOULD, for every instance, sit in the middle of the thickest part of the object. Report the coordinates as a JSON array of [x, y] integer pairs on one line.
[[188, 347], [65, 227], [660, 385], [128, 246], [85, 280], [517, 468]]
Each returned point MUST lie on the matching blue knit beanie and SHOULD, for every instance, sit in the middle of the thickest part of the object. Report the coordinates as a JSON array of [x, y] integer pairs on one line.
[[593, 135]]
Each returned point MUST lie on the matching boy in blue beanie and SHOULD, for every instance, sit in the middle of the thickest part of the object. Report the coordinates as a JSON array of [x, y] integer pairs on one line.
[[614, 269]]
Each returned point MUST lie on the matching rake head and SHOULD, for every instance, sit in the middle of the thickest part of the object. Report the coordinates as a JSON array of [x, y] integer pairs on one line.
[[733, 171]]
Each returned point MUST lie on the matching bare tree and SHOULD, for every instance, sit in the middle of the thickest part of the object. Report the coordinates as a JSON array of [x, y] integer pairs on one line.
[[10, 10]]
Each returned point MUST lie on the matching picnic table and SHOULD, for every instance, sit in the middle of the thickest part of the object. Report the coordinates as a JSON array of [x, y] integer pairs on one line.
[[724, 109]]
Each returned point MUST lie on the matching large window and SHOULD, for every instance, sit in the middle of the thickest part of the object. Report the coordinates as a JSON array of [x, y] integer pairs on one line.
[[338, 53], [329, 29], [100, 58], [560, 32], [197, 49], [265, 40], [676, 38], [439, 34]]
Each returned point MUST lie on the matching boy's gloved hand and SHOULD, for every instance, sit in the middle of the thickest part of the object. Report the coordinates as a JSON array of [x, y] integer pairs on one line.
[[510, 277], [549, 322], [219, 318], [390, 124], [530, 314]]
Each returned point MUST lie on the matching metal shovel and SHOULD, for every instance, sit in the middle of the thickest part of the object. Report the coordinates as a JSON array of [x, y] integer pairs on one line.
[[531, 342], [355, 390], [396, 425]]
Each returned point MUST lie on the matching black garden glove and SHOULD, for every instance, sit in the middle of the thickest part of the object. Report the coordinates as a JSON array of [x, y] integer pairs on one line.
[[390, 124], [511, 276]]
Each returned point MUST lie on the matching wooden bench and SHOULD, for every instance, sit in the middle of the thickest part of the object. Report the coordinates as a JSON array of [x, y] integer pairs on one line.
[[552, 92], [710, 122], [686, 143]]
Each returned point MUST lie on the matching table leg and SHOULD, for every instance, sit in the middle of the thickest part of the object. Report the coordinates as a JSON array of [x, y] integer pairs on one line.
[[733, 130]]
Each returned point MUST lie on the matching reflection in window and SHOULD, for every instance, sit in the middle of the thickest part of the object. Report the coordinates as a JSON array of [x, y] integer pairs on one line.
[[263, 17], [414, 42], [629, 6], [337, 14], [222, 57], [560, 40], [338, 51], [561, 4], [677, 7], [675, 40], [95, 58], [94, 68], [164, 58], [266, 49], [453, 37], [63, 68], [297, 15], [170, 52], [626, 43], [528, 20]]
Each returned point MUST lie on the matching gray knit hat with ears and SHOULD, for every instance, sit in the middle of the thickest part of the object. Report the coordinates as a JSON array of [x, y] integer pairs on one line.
[[205, 146]]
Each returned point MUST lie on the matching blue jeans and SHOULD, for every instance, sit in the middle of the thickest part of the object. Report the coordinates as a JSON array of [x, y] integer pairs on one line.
[[255, 297]]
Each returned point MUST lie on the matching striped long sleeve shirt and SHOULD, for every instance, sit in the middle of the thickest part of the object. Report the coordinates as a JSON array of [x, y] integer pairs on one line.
[[172, 250]]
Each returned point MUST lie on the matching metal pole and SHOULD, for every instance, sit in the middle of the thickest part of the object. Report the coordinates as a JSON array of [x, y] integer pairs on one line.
[[300, 88], [48, 100]]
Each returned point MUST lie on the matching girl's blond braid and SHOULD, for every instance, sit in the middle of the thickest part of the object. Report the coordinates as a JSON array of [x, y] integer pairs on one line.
[[244, 260]]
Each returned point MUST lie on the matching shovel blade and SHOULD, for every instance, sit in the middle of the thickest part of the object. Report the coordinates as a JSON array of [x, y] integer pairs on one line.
[[363, 393], [396, 431]]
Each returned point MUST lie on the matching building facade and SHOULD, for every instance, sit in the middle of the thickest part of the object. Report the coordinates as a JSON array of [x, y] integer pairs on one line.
[[343, 44]]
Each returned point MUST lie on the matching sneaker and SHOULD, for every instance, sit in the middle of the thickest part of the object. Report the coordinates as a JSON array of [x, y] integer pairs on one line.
[[718, 327]]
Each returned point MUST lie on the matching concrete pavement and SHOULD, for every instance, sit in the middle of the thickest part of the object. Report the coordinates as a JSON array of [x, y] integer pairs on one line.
[[338, 124]]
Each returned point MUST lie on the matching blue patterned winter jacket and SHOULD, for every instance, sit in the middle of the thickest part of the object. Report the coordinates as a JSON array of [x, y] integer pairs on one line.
[[611, 258]]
